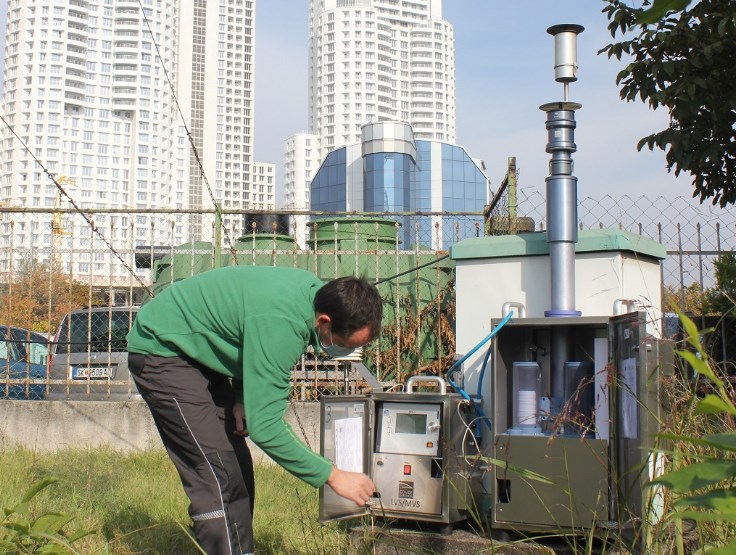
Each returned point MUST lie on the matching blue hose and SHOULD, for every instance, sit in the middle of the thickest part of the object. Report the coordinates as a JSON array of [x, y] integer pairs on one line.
[[472, 351], [476, 402], [479, 394]]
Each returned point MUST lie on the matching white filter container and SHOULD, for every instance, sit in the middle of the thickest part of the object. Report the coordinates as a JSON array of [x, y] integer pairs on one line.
[[527, 384]]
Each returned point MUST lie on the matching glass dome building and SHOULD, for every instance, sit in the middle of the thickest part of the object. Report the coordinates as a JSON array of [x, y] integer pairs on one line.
[[390, 171]]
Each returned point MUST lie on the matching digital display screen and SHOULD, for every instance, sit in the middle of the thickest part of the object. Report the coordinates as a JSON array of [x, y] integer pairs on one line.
[[411, 423]]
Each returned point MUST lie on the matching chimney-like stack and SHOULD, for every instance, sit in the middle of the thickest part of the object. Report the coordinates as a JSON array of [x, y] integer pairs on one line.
[[562, 201]]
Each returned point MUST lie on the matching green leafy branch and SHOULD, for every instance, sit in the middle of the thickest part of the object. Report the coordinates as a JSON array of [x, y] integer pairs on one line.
[[659, 9]]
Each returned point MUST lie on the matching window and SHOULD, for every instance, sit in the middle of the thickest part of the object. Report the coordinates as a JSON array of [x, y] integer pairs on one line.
[[108, 331]]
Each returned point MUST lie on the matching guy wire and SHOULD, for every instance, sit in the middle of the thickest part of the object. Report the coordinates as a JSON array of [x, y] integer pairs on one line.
[[89, 221], [202, 174]]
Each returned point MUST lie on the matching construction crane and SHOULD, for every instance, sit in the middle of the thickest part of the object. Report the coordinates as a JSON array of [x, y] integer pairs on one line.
[[57, 228]]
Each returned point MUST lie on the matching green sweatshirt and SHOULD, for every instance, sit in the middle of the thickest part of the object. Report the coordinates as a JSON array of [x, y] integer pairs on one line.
[[251, 323]]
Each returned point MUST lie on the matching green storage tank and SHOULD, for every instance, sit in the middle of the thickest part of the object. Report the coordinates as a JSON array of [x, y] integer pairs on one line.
[[348, 246], [419, 304], [183, 261], [266, 249]]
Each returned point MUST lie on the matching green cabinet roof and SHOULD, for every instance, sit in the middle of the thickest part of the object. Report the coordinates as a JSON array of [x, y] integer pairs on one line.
[[531, 244]]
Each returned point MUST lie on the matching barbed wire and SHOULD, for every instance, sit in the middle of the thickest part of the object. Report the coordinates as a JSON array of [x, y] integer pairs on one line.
[[693, 240]]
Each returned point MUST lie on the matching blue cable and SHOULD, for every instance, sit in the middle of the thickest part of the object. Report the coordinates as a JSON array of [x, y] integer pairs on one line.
[[483, 417]]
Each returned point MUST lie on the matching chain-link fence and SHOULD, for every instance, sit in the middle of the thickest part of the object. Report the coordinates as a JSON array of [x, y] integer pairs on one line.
[[694, 235], [52, 268], [53, 263]]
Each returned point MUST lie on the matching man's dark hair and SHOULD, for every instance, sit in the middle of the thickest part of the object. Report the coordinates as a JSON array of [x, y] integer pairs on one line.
[[352, 303]]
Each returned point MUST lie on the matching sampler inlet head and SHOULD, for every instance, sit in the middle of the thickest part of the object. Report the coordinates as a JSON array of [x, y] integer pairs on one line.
[[566, 59]]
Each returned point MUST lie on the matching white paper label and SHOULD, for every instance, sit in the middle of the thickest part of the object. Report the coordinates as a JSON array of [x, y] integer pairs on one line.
[[349, 444]]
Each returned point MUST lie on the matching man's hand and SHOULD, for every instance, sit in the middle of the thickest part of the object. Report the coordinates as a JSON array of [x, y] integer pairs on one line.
[[239, 414], [351, 485]]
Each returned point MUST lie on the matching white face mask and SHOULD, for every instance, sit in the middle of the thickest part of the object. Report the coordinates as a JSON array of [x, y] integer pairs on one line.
[[332, 350]]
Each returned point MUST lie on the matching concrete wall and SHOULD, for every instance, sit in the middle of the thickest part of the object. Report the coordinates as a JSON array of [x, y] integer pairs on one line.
[[124, 426]]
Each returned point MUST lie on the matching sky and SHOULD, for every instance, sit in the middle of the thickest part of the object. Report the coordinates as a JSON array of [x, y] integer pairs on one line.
[[505, 71]]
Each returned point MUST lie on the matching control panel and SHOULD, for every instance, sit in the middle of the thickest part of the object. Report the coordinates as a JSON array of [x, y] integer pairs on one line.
[[408, 428]]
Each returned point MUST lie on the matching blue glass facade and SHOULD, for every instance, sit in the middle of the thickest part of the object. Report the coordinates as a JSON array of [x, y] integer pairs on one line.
[[421, 179], [394, 182], [463, 184], [387, 182], [329, 186]]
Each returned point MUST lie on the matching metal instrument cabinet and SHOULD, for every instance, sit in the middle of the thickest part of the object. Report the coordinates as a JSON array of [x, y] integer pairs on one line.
[[598, 469], [418, 448]]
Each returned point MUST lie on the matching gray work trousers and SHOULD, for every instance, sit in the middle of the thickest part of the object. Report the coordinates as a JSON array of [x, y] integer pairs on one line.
[[192, 409]]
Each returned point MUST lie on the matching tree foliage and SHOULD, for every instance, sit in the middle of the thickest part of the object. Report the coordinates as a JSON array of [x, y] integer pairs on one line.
[[688, 300], [39, 296], [718, 300], [722, 298], [659, 9], [684, 61]]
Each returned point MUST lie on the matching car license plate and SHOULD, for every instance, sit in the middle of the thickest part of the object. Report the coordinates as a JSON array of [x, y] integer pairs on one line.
[[91, 372]]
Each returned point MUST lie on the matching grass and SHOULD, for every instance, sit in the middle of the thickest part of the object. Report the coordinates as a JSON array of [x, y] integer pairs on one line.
[[135, 503]]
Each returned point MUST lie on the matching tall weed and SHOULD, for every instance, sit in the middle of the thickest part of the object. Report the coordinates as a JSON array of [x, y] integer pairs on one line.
[[702, 476], [22, 530]]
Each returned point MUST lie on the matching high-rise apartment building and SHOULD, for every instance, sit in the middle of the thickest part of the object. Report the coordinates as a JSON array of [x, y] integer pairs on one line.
[[108, 94], [373, 61], [301, 161], [264, 185]]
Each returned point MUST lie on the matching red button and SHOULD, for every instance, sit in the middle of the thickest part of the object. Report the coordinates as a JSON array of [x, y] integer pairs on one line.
[[407, 469]]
